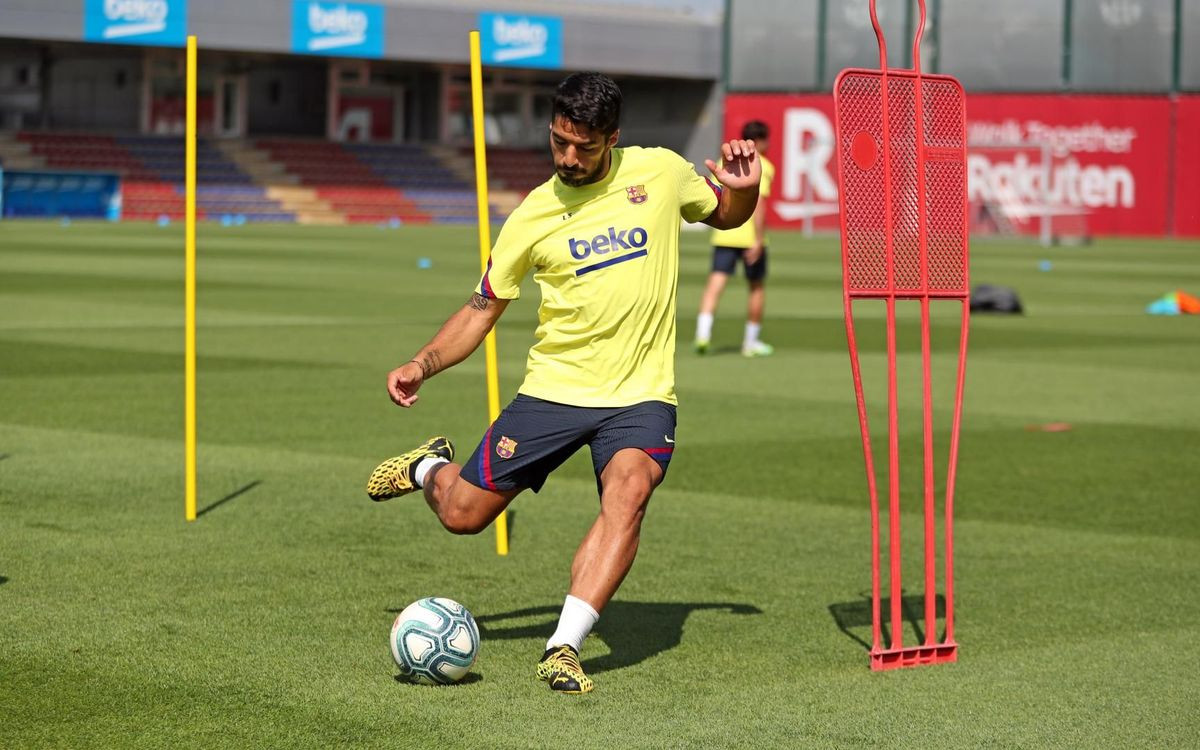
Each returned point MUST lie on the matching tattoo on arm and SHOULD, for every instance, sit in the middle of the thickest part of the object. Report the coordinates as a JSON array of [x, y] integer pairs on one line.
[[479, 302], [430, 363]]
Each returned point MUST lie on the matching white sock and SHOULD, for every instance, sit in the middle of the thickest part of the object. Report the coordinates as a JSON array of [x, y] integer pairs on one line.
[[574, 624], [704, 323], [423, 467], [751, 337]]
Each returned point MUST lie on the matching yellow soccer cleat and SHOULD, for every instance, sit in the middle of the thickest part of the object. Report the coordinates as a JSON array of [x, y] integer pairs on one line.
[[394, 477], [560, 667]]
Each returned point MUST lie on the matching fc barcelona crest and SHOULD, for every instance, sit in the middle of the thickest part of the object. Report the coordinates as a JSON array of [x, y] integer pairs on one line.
[[506, 447], [636, 193]]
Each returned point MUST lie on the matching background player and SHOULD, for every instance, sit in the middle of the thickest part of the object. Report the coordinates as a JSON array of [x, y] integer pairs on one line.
[[747, 243], [602, 236]]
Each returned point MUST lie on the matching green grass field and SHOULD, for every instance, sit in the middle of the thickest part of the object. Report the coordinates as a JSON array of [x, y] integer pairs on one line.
[[264, 623]]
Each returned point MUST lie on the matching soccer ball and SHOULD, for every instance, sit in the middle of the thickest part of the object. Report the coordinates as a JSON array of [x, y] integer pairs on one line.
[[435, 641]]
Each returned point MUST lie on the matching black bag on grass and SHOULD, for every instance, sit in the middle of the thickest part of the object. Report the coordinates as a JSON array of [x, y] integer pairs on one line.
[[997, 299]]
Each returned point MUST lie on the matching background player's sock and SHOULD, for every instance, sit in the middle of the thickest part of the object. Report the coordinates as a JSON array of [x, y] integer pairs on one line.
[[751, 338], [575, 622], [423, 467], [704, 323]]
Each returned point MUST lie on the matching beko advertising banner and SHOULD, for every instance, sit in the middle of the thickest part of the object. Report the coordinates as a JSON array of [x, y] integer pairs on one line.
[[340, 29], [520, 41], [1107, 158], [153, 22]]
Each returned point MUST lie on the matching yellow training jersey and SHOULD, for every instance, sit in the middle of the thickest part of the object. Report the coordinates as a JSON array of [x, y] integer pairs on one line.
[[606, 257], [744, 235]]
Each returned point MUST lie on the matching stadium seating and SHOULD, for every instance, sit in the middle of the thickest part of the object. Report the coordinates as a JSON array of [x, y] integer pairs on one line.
[[517, 169], [292, 179], [374, 183], [152, 170]]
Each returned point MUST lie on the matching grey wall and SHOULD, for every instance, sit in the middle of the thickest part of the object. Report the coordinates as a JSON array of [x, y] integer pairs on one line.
[[287, 99], [674, 114], [437, 32], [20, 85], [95, 93]]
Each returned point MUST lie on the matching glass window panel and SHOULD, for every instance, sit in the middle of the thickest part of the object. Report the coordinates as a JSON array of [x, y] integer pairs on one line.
[[997, 46], [772, 45], [850, 39], [1122, 45], [1189, 68]]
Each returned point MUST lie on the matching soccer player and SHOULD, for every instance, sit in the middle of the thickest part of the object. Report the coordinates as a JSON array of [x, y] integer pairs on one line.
[[747, 243], [602, 239]]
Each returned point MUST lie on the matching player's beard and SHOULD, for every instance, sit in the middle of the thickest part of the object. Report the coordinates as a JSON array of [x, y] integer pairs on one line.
[[579, 178]]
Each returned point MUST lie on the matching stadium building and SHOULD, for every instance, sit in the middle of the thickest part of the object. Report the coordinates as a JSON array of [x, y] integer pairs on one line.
[[1080, 114], [328, 112]]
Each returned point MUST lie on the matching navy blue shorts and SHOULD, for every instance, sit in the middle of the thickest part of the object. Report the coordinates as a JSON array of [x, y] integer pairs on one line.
[[725, 260], [532, 438]]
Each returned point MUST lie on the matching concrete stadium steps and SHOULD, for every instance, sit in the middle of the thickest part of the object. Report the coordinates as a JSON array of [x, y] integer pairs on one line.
[[432, 178], [307, 206], [368, 183], [462, 164], [373, 205], [255, 163], [15, 154]]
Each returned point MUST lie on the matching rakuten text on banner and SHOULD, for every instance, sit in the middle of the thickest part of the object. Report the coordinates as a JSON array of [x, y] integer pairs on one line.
[[1106, 156]]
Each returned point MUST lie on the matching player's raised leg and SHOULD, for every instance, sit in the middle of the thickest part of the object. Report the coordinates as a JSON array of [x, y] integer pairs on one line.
[[397, 476], [462, 507]]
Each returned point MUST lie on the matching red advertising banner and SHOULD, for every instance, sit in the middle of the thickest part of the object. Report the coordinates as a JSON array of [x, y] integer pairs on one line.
[[1187, 167], [1102, 160]]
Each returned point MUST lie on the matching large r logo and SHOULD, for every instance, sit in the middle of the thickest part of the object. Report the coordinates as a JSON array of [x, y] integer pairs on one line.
[[808, 142]]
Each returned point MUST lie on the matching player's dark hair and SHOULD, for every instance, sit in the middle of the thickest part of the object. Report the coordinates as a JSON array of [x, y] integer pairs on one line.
[[755, 130], [590, 99]]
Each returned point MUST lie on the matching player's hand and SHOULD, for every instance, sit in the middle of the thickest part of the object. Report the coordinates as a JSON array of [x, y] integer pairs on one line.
[[403, 382], [753, 253], [740, 167]]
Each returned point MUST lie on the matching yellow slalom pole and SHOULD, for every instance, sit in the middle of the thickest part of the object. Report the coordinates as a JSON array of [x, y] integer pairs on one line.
[[485, 244], [190, 287]]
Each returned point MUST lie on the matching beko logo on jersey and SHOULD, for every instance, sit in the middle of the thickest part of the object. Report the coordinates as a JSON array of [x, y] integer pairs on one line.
[[613, 241]]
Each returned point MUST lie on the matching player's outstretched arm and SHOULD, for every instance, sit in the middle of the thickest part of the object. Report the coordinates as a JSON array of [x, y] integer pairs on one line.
[[739, 173], [460, 335]]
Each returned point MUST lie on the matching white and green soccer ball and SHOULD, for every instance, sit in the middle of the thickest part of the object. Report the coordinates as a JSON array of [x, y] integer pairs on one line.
[[435, 641]]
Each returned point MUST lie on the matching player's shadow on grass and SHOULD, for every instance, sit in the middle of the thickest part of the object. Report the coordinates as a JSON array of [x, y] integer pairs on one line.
[[857, 614], [633, 631], [719, 351], [236, 493]]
